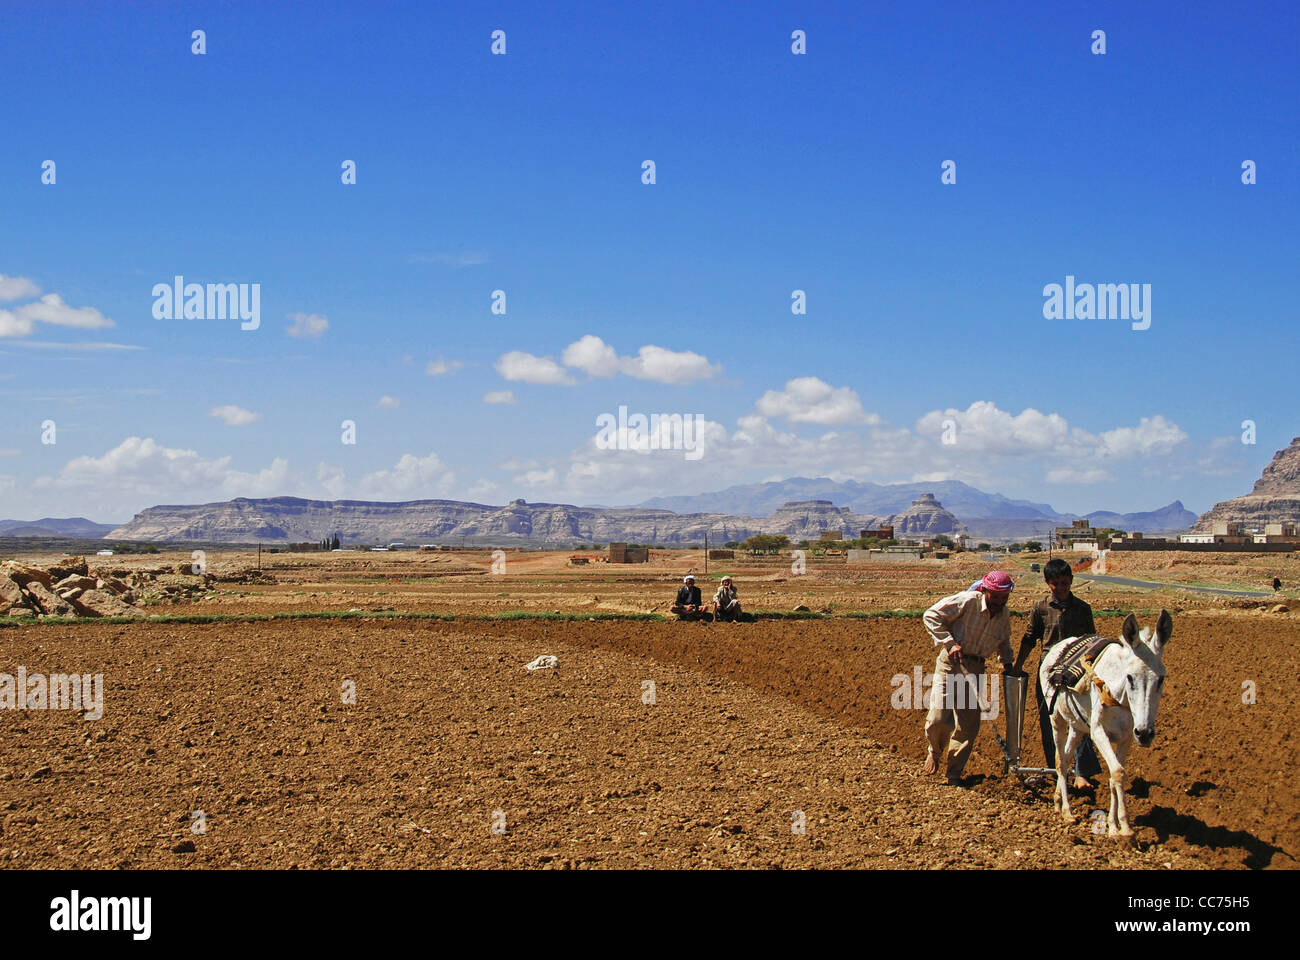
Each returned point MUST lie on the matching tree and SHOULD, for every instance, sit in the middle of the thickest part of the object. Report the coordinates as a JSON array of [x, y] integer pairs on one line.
[[766, 543], [1034, 546], [731, 544], [1015, 547], [983, 546], [945, 541], [334, 544]]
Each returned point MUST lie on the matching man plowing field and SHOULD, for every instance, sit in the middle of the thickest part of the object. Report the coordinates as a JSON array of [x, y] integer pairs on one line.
[[967, 628]]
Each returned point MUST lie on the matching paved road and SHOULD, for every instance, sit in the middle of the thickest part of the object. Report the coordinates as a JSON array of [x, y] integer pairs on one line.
[[1151, 585]]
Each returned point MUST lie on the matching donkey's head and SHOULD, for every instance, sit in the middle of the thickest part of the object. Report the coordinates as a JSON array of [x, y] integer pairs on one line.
[[1144, 670]]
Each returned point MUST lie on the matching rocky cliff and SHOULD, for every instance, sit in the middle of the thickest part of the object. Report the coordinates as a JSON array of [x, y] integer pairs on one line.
[[281, 519], [926, 517], [1274, 499]]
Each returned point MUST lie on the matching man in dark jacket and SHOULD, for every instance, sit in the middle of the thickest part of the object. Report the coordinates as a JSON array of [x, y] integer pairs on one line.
[[1055, 618], [688, 604]]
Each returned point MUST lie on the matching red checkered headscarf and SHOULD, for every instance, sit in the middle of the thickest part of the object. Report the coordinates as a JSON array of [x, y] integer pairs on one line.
[[996, 581]]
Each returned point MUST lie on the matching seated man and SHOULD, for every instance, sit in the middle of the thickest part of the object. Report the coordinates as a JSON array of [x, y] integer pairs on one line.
[[726, 602], [688, 604]]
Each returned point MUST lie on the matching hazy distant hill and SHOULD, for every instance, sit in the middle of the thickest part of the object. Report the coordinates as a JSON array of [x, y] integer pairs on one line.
[[52, 527], [1173, 517], [878, 499]]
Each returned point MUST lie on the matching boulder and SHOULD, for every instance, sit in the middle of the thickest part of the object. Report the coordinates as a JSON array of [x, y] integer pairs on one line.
[[22, 574], [11, 594], [69, 567], [46, 600], [77, 582], [101, 603], [20, 611]]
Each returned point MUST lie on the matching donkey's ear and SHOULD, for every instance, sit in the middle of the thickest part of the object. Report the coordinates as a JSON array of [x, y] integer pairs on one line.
[[1164, 627], [1129, 632]]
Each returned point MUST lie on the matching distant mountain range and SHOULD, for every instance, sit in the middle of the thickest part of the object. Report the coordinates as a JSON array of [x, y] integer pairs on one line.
[[52, 527], [799, 507], [984, 514], [878, 499]]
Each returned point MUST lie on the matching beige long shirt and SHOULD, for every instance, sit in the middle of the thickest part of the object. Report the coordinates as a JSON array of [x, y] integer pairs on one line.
[[964, 618]]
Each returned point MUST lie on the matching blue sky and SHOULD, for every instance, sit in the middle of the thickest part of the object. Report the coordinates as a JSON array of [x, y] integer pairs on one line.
[[774, 172]]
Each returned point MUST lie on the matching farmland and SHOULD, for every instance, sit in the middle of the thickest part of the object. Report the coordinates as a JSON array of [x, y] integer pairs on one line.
[[372, 710]]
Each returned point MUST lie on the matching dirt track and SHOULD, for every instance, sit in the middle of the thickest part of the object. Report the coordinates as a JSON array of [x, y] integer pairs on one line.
[[752, 722]]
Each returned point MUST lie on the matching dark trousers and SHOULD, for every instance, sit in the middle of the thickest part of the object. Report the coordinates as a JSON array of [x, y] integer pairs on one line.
[[1085, 758]]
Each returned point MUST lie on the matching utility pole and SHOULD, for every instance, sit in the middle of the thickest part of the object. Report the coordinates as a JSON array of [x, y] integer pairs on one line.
[[706, 552]]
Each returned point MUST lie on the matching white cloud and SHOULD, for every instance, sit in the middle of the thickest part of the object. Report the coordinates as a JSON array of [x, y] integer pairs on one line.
[[388, 403], [666, 366], [411, 478], [755, 448], [17, 288], [52, 310], [333, 479], [439, 367], [13, 325], [310, 325], [141, 467], [526, 368], [234, 416], [1152, 435], [595, 357], [499, 396], [141, 472], [484, 491], [813, 400], [537, 478], [995, 450], [983, 428], [592, 355]]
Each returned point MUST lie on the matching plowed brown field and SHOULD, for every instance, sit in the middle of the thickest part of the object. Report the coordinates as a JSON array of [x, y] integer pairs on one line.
[[751, 726]]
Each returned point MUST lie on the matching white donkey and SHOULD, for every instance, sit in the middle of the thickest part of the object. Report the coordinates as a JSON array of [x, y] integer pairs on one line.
[[1118, 704]]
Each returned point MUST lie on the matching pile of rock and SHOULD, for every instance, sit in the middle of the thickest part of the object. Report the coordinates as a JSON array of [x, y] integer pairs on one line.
[[69, 588]]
